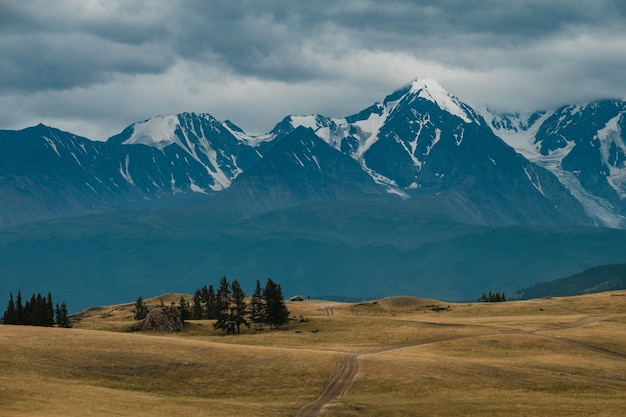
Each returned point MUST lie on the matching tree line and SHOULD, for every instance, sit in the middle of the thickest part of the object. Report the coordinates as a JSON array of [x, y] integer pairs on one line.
[[38, 311], [492, 297], [228, 306]]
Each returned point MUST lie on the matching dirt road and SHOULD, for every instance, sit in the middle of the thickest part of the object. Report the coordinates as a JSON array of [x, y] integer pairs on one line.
[[341, 382]]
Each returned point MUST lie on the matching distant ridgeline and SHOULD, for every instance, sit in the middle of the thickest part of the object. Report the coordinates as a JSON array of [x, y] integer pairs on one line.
[[592, 280]]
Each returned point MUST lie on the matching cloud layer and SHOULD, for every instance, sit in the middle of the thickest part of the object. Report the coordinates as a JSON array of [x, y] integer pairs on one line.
[[93, 67]]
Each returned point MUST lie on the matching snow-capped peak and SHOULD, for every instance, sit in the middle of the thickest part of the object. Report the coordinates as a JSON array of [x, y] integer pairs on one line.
[[431, 90], [157, 132], [331, 131]]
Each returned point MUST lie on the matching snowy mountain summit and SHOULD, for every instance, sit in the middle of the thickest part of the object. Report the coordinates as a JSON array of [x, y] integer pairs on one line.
[[408, 123], [420, 143], [430, 89]]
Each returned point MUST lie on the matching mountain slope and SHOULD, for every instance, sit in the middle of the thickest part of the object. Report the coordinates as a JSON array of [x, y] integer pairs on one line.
[[45, 173], [583, 145], [300, 168]]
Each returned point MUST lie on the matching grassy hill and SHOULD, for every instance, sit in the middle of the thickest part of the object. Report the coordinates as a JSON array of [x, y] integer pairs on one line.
[[541, 357]]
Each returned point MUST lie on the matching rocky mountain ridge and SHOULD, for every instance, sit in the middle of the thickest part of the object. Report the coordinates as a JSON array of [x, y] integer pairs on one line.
[[560, 167]]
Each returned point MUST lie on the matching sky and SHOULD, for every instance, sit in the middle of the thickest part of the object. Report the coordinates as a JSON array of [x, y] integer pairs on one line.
[[93, 67]]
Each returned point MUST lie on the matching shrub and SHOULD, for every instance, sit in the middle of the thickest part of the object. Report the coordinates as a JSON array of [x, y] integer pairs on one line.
[[162, 319]]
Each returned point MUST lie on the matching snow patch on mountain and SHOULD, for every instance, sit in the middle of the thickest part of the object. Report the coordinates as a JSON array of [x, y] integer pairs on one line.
[[193, 187], [431, 90], [597, 208], [518, 130], [124, 172], [250, 140], [221, 179], [611, 141], [368, 129], [534, 180], [157, 132], [52, 145], [310, 122], [330, 130]]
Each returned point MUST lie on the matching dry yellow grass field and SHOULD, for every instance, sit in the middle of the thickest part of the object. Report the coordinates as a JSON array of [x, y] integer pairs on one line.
[[417, 357]]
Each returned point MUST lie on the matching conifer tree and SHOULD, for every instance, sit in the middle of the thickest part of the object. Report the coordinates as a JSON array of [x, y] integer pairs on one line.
[[222, 305], [204, 294], [49, 311], [183, 306], [141, 310], [276, 312], [256, 311], [211, 303], [19, 309], [196, 308], [238, 306], [10, 315], [36, 311], [62, 319]]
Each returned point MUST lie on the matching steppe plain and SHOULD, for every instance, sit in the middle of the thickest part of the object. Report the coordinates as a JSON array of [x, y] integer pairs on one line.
[[399, 356]]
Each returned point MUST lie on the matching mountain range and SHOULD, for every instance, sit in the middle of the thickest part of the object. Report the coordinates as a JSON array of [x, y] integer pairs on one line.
[[418, 168]]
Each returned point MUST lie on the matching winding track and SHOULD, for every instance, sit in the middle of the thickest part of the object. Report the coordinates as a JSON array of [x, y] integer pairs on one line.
[[337, 386], [343, 379]]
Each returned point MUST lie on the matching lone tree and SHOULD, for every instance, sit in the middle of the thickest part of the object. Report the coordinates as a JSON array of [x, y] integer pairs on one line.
[[141, 310], [276, 312]]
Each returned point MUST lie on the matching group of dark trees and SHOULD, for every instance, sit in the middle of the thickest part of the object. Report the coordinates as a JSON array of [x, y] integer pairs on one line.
[[228, 305], [38, 311], [229, 308], [492, 297]]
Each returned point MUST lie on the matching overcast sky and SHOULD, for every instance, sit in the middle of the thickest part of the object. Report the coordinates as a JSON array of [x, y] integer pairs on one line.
[[94, 67]]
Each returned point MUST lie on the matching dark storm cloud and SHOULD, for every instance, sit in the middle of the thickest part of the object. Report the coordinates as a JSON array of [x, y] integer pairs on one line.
[[261, 57], [55, 48], [254, 39]]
